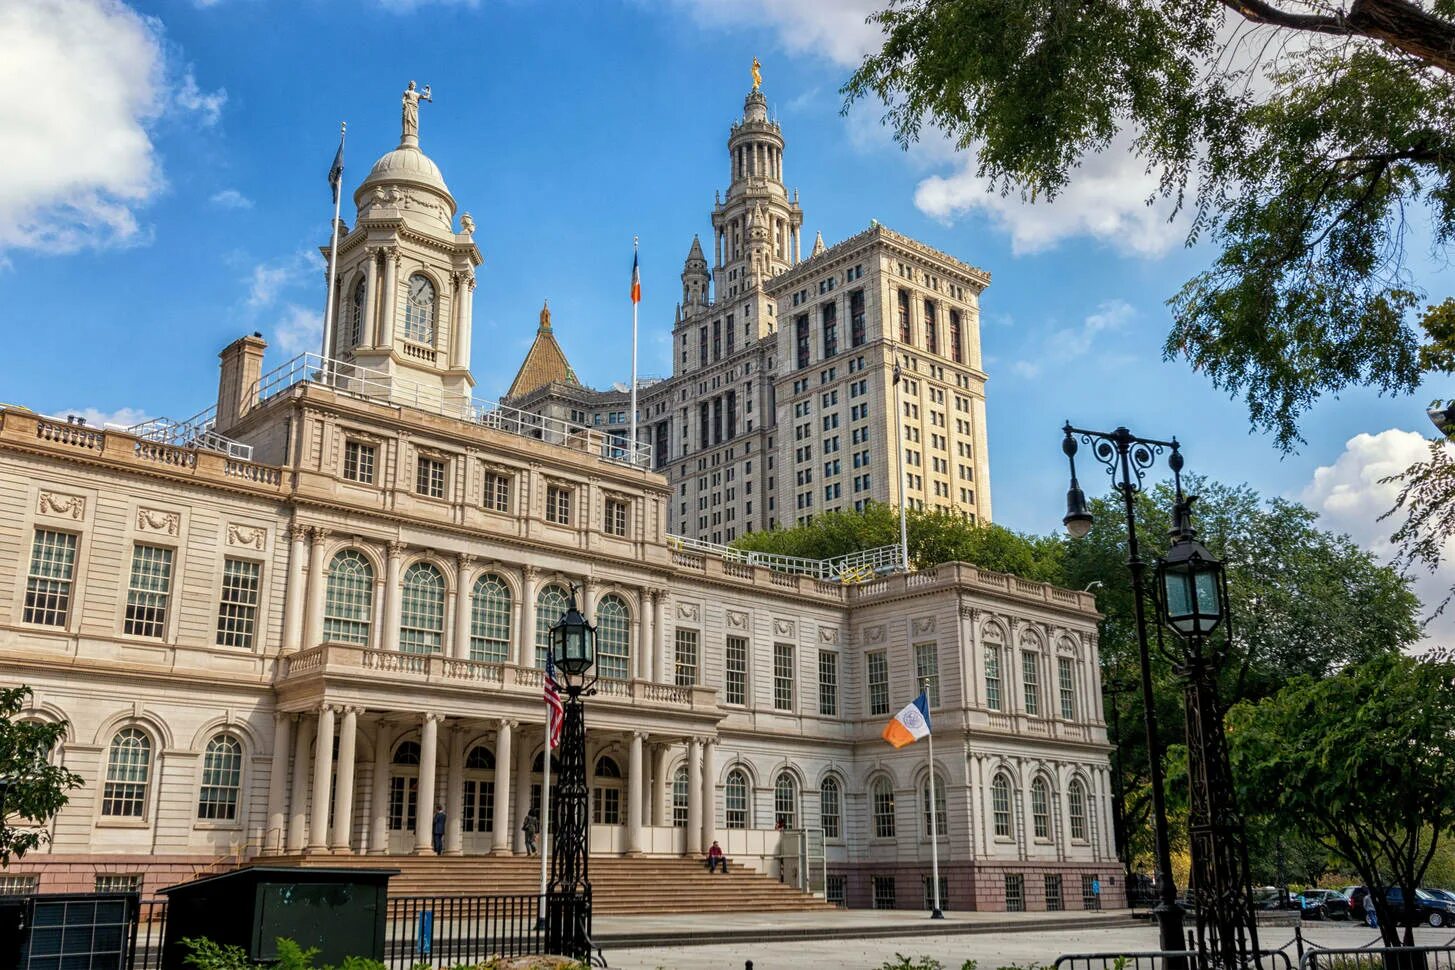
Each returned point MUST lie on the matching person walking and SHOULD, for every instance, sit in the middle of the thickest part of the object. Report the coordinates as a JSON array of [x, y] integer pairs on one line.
[[530, 827], [1371, 915], [1095, 893], [438, 830]]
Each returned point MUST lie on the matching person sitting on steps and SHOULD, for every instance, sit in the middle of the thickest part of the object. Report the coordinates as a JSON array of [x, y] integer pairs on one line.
[[715, 858]]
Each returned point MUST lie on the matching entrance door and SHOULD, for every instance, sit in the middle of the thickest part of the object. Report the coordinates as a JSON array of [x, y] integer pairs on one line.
[[477, 809], [403, 797]]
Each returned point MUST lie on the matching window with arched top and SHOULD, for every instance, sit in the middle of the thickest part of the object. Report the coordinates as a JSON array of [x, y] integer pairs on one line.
[[941, 817], [736, 810], [419, 310], [348, 606], [1000, 806], [128, 774], [831, 807], [1041, 808], [490, 620], [551, 604], [407, 753], [404, 787], [785, 801], [477, 805], [221, 779], [606, 792], [679, 798], [1076, 808], [480, 758], [356, 313], [422, 610], [607, 768], [992, 675], [881, 804], [613, 637]]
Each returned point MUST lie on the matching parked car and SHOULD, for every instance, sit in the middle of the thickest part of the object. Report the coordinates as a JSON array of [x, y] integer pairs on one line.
[[1323, 904], [1428, 908], [1444, 894]]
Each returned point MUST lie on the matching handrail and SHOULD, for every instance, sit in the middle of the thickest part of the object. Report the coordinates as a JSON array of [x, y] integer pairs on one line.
[[854, 567], [198, 431]]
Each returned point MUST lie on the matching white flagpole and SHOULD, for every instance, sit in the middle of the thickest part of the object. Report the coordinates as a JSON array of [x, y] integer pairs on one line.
[[338, 195], [632, 455], [937, 912]]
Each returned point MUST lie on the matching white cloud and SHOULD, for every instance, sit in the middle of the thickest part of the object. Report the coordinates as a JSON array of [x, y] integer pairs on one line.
[[231, 199], [207, 105], [269, 280], [125, 417], [298, 330], [834, 30], [1350, 497], [1071, 343]]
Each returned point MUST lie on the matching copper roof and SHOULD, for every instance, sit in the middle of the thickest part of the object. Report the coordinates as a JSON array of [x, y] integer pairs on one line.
[[544, 363]]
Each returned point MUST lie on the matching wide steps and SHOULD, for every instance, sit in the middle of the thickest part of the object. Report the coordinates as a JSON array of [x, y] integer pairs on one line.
[[640, 886]]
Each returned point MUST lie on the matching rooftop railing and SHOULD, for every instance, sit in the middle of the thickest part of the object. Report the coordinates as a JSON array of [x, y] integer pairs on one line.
[[194, 432], [855, 567]]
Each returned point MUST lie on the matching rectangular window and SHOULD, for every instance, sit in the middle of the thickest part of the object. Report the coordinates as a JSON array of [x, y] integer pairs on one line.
[[800, 333], [828, 683], [429, 478], [957, 351], [856, 318], [834, 886], [927, 667], [905, 335], [992, 676], [1015, 893], [26, 885], [735, 679], [783, 676], [149, 593], [359, 462], [883, 891], [878, 681], [686, 658], [615, 517], [497, 492], [1067, 674], [52, 571], [830, 329], [1031, 680], [606, 805], [237, 609], [558, 504], [1053, 894], [1089, 897], [932, 329], [929, 885], [118, 882]]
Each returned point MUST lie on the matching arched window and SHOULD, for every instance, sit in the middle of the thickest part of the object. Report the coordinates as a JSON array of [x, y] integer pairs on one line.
[[606, 793], [1041, 808], [785, 801], [356, 314], [735, 800], [404, 787], [881, 798], [551, 603], [1076, 808], [1000, 806], [221, 778], [128, 769], [924, 801], [679, 798], [613, 638], [830, 807], [477, 809], [480, 758], [490, 620], [419, 310], [407, 753], [348, 604], [422, 610]]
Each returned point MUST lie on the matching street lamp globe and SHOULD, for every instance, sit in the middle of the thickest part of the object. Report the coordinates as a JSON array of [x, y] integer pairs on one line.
[[573, 642], [1078, 514], [1190, 583]]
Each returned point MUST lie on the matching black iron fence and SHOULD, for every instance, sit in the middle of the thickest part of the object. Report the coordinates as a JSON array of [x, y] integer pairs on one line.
[[1379, 958], [1157, 960], [151, 930], [447, 931]]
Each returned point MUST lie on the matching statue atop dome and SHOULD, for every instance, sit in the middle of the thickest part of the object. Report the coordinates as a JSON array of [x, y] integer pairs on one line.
[[757, 75], [409, 124]]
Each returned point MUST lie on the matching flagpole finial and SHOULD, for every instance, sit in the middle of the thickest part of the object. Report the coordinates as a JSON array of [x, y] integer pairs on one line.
[[634, 242], [343, 127]]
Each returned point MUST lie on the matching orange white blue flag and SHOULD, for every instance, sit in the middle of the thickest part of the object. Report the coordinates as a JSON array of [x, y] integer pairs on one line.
[[636, 278], [910, 724]]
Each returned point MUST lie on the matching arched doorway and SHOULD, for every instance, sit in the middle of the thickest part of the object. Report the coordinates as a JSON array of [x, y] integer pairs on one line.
[[403, 797], [477, 809]]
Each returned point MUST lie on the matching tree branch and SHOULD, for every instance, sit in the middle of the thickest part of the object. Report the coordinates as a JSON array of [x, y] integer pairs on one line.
[[1258, 12]]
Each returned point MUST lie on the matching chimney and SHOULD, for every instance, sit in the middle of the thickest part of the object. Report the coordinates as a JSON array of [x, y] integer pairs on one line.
[[242, 365]]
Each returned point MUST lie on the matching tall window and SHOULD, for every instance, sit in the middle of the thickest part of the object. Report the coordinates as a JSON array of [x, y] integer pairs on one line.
[[490, 620], [497, 492], [429, 479], [856, 318], [128, 769], [905, 334], [52, 570], [992, 676], [422, 610], [830, 807], [932, 328], [356, 315], [606, 793], [800, 338], [878, 680], [221, 779], [551, 604], [348, 605], [1066, 673], [615, 524], [685, 661], [150, 591], [785, 801], [237, 608], [558, 504], [1076, 808], [735, 671], [613, 637], [783, 676], [927, 667], [735, 800], [881, 797], [940, 814], [828, 683], [1000, 806], [419, 310], [359, 462], [957, 349], [680, 798], [477, 808], [1030, 679], [404, 787], [830, 329], [1041, 808]]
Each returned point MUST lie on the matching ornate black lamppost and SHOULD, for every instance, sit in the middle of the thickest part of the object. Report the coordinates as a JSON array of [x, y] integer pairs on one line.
[[568, 896], [1127, 459]]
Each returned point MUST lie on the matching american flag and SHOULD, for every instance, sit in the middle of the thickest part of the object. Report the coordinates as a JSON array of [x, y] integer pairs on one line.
[[555, 713]]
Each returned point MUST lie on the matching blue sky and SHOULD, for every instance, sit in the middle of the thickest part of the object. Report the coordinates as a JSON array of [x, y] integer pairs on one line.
[[171, 196]]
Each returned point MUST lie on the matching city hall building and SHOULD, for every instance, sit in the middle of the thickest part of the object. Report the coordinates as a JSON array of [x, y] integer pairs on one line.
[[299, 621]]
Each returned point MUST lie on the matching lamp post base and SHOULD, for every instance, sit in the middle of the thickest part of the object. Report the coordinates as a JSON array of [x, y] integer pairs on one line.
[[937, 914], [1169, 934]]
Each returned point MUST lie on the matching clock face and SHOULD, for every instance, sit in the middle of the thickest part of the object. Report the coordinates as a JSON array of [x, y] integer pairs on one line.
[[420, 291]]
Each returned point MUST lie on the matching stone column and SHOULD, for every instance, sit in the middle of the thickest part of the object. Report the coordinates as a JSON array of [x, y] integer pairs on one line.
[[461, 648], [393, 602], [343, 808], [467, 313], [649, 764], [522, 792], [660, 668], [588, 598], [455, 792], [634, 796], [379, 803], [529, 581], [278, 782], [313, 623], [694, 797], [644, 637], [662, 787], [709, 792], [297, 591], [369, 334], [500, 819], [386, 311], [298, 791], [322, 781], [429, 735]]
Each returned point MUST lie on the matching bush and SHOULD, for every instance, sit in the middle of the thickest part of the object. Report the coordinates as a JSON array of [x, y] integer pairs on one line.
[[206, 955]]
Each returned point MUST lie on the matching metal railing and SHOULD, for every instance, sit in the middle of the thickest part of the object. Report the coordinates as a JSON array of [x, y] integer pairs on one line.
[[377, 385], [1379, 958], [1157, 960], [194, 432], [151, 932], [450, 931], [855, 567]]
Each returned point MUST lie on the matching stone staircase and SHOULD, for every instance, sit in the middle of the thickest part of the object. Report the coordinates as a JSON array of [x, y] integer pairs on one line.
[[620, 887]]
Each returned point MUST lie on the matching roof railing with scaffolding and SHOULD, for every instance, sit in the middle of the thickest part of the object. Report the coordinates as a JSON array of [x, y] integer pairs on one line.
[[854, 567], [194, 432], [375, 385]]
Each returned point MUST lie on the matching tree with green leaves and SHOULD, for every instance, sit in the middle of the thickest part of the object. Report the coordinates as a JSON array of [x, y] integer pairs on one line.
[[1360, 762], [35, 789]]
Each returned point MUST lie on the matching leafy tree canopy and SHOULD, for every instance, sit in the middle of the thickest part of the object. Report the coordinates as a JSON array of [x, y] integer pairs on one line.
[[37, 788]]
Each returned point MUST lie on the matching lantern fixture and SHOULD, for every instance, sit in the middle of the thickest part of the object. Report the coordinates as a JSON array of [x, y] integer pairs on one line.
[[1078, 515], [1191, 585], [573, 642]]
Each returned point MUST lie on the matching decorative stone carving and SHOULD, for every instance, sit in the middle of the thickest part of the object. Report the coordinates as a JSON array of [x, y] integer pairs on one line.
[[299, 533], [396, 548], [155, 520], [922, 624], [828, 634], [737, 619], [689, 611], [969, 613], [467, 224], [783, 628], [250, 536], [874, 634], [58, 503]]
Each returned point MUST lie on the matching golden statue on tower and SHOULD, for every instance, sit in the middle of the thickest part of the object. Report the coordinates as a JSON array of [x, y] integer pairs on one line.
[[757, 74]]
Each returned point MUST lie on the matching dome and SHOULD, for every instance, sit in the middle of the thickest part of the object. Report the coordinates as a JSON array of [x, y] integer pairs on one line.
[[406, 166]]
